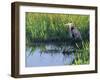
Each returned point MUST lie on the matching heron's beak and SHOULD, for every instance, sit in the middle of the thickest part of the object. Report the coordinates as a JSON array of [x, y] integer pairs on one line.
[[65, 24]]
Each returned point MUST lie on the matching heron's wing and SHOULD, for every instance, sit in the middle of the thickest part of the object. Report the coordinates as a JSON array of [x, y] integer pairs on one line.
[[76, 33]]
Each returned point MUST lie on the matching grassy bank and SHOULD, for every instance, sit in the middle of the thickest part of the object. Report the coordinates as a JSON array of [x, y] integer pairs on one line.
[[41, 26]]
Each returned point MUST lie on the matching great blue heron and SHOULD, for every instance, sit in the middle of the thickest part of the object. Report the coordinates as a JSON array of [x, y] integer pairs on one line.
[[74, 34]]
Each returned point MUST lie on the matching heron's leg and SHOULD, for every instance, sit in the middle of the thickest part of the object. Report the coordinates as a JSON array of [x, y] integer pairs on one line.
[[77, 45]]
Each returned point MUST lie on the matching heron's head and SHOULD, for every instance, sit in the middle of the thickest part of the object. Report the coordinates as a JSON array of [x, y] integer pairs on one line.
[[70, 25]]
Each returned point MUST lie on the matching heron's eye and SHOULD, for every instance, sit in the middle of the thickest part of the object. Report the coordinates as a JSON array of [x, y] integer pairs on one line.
[[72, 28]]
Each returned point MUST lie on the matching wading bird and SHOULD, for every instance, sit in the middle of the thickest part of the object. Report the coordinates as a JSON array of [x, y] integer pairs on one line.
[[74, 35]]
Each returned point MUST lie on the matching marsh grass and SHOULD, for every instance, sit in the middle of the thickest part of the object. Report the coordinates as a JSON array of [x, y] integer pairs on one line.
[[42, 26], [82, 55]]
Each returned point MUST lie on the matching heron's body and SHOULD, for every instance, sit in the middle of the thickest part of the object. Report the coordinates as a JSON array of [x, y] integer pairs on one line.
[[74, 34]]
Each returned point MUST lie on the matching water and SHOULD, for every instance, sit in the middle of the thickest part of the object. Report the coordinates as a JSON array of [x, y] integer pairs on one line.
[[48, 55]]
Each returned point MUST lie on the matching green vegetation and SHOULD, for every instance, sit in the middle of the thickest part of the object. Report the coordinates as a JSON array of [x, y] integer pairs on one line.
[[82, 55], [41, 26], [45, 26]]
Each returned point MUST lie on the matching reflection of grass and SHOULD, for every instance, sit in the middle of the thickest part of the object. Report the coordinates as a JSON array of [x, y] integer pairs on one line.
[[33, 48], [42, 48], [30, 49], [82, 56]]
